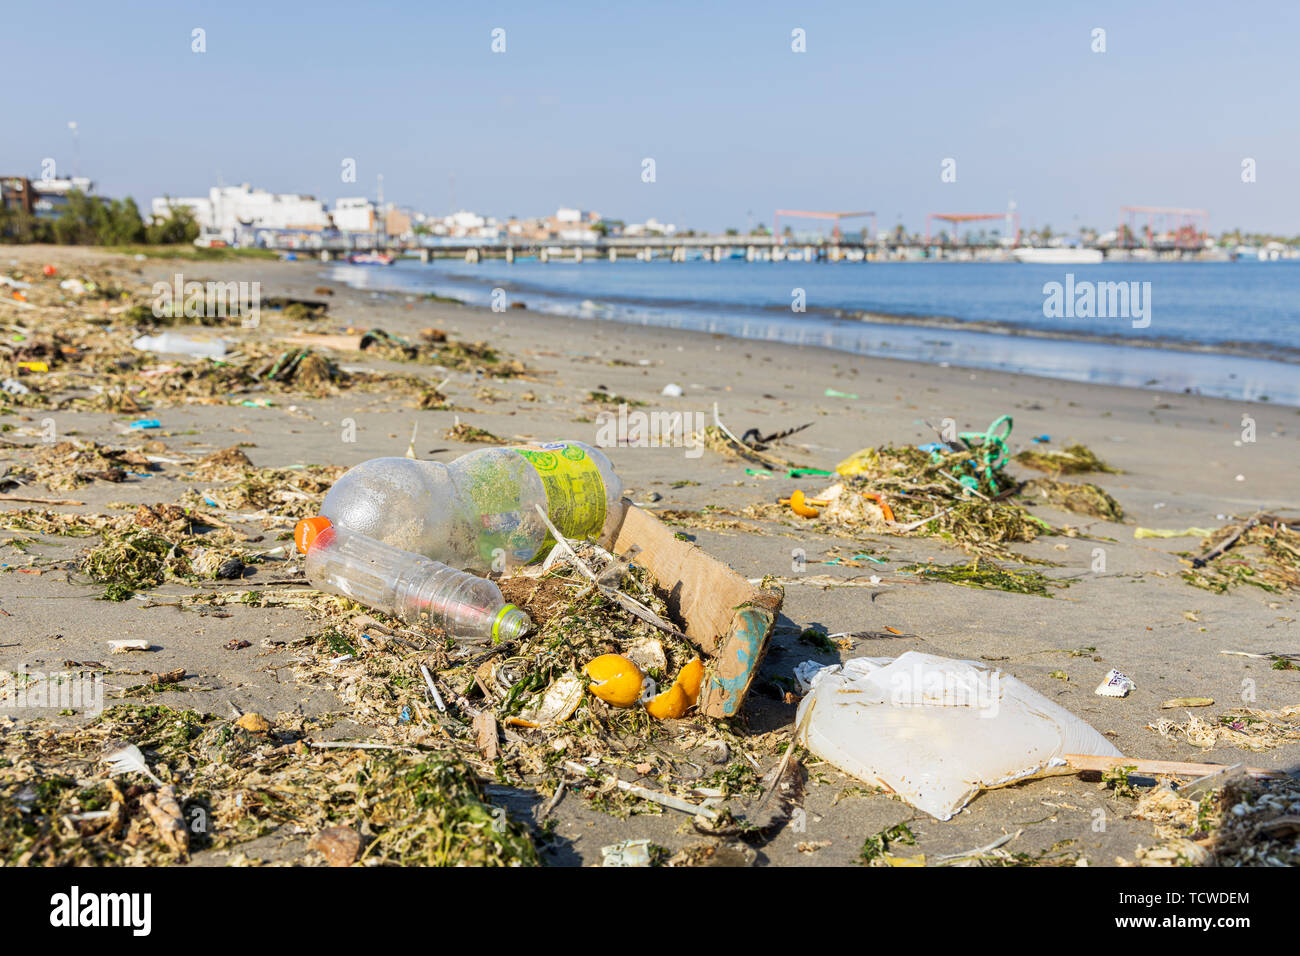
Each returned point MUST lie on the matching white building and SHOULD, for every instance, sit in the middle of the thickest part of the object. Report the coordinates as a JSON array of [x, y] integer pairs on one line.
[[354, 215], [651, 227], [230, 209]]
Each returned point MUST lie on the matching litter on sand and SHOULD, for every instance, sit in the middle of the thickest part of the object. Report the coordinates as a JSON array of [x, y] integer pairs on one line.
[[1115, 684], [935, 730]]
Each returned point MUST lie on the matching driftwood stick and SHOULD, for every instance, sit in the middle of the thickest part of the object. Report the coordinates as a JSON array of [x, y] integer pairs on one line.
[[1174, 767], [40, 501], [1225, 544]]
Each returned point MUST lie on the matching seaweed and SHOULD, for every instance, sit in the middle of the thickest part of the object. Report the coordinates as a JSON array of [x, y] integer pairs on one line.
[[128, 561], [987, 575], [1262, 553], [1072, 460], [1080, 498]]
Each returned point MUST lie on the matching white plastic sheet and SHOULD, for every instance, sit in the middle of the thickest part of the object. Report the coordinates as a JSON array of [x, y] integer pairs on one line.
[[936, 730]]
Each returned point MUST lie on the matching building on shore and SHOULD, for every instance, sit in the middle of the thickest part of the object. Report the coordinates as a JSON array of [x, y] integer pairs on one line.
[[354, 214], [42, 198], [232, 211]]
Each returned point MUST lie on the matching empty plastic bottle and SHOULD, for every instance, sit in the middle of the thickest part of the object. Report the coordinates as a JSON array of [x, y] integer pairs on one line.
[[175, 344], [479, 511], [410, 586]]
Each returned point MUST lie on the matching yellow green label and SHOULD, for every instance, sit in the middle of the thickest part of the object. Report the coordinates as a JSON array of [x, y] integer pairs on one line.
[[575, 492]]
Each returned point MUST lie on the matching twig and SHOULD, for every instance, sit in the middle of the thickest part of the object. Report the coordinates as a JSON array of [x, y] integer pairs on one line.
[[1225, 544], [654, 796], [40, 501], [981, 851], [794, 738], [973, 491], [562, 542], [903, 529], [1168, 767], [627, 603]]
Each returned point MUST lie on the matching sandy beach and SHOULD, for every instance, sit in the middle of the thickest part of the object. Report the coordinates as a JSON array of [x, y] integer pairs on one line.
[[1181, 463]]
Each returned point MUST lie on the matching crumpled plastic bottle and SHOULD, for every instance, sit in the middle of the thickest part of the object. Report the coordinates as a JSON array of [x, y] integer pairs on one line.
[[479, 511]]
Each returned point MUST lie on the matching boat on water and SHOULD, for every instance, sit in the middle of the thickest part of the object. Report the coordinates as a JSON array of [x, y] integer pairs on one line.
[[371, 259], [1058, 256]]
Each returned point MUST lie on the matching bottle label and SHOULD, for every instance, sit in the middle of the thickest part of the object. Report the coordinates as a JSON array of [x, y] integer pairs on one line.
[[575, 492]]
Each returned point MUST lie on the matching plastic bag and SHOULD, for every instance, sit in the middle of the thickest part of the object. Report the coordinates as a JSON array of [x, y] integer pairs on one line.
[[936, 730]]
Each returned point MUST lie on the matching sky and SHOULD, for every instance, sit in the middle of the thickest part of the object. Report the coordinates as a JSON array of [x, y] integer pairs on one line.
[[738, 123]]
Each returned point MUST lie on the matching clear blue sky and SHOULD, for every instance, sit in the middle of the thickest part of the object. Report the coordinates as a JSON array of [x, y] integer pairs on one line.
[[712, 91]]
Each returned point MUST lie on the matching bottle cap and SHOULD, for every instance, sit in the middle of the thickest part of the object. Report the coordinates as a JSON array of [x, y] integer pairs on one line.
[[304, 533]]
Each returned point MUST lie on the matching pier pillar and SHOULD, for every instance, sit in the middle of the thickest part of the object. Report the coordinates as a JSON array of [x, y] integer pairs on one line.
[[613, 255], [649, 254], [577, 254], [510, 255], [471, 255], [750, 253], [717, 253], [424, 256], [543, 255], [325, 255]]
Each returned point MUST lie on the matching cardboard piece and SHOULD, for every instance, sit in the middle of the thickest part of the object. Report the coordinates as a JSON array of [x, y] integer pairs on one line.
[[337, 343], [726, 617]]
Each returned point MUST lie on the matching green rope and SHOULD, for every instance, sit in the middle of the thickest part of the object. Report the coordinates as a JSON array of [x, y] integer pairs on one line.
[[992, 454]]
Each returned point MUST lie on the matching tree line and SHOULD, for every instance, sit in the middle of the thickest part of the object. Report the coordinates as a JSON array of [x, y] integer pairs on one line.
[[94, 221]]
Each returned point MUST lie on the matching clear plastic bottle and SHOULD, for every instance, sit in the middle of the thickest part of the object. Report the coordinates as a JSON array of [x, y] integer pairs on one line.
[[410, 586], [479, 511], [172, 343]]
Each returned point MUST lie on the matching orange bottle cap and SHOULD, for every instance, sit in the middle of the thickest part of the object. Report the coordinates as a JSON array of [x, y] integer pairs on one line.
[[304, 533]]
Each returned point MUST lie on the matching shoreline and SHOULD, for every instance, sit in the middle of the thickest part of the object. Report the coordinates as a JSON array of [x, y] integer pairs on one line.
[[1236, 370]]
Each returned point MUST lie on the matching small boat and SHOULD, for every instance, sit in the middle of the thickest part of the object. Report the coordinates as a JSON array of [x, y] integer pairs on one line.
[[371, 259], [1058, 257]]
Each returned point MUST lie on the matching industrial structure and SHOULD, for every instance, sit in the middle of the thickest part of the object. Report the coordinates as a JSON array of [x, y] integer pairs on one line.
[[836, 216], [1166, 227], [954, 219]]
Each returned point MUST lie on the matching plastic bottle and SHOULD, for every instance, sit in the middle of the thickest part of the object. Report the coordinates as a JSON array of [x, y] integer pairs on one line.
[[410, 586], [479, 511], [174, 344]]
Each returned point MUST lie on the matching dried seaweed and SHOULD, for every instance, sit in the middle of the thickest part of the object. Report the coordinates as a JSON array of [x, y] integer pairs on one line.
[[1243, 727], [987, 575], [1265, 554], [1074, 459], [417, 808], [1245, 823], [1080, 498]]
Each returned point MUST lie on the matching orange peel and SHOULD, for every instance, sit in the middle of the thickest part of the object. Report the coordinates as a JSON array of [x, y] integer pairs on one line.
[[614, 679], [690, 677], [669, 705]]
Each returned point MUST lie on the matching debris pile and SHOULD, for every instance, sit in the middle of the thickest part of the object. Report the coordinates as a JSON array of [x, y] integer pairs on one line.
[[1245, 823], [1263, 551]]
